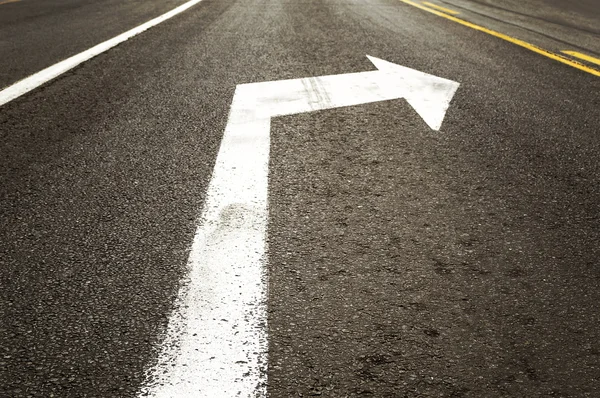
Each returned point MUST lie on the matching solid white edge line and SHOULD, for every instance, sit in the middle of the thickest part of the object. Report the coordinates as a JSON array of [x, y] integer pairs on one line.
[[45, 75]]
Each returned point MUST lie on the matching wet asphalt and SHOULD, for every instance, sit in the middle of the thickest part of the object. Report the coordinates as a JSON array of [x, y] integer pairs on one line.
[[403, 262]]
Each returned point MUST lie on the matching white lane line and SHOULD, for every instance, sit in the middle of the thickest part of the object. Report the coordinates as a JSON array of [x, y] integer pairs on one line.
[[216, 341], [45, 75]]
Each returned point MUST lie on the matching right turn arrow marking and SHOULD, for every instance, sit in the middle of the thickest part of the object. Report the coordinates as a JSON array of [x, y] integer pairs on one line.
[[216, 343]]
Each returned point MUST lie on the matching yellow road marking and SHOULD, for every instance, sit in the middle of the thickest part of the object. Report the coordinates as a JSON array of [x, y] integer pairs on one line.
[[446, 10], [8, 1], [585, 57], [546, 53]]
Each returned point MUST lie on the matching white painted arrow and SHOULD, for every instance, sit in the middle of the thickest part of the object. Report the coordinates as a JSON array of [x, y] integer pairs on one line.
[[216, 343]]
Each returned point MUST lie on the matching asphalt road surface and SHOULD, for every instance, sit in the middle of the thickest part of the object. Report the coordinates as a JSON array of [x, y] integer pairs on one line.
[[402, 261]]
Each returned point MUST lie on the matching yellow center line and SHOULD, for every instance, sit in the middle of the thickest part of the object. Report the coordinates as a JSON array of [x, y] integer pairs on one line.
[[444, 9], [524, 44], [585, 57], [8, 1]]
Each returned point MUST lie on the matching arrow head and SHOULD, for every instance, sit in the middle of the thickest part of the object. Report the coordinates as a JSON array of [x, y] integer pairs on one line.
[[429, 95]]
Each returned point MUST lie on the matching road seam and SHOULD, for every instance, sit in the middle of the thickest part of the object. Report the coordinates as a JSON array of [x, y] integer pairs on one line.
[[444, 9]]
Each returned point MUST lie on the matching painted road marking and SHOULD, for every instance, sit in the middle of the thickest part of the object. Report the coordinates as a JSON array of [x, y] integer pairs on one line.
[[45, 75], [216, 343], [546, 53], [585, 57], [8, 1], [444, 9]]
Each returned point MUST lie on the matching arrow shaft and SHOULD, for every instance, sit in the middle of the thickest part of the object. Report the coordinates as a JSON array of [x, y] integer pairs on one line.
[[227, 259], [220, 328], [223, 312]]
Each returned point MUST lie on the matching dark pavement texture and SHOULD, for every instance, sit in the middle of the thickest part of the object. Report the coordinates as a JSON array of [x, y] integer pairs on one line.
[[403, 262], [35, 34]]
